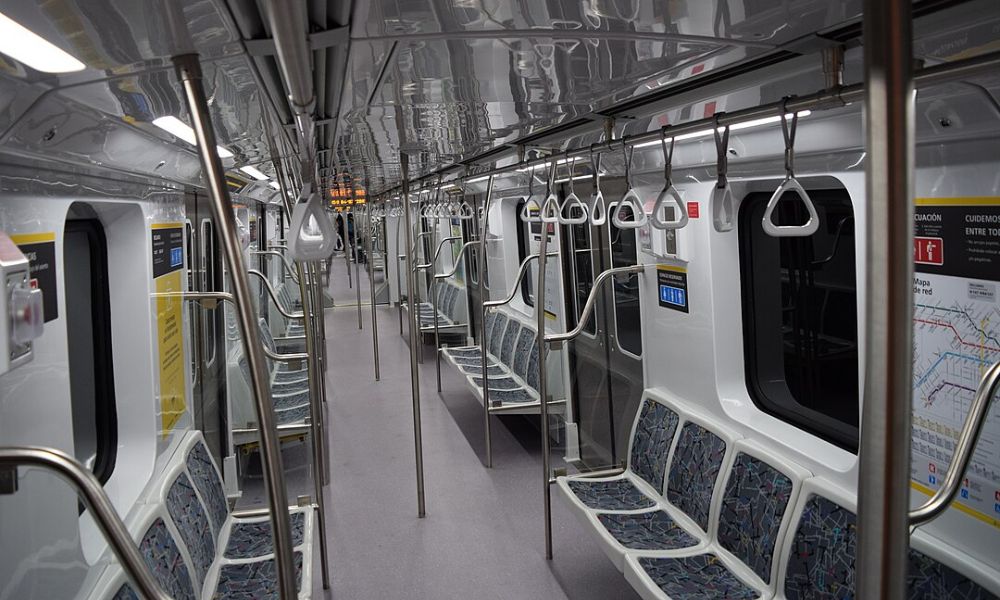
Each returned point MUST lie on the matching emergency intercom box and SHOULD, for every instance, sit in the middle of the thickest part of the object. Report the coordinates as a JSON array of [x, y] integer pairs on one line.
[[21, 309]]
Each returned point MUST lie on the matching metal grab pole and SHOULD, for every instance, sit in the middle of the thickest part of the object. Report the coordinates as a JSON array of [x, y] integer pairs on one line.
[[347, 246], [357, 264], [418, 441], [543, 385], [483, 265], [371, 291], [316, 421], [964, 449], [96, 499], [884, 475], [189, 73]]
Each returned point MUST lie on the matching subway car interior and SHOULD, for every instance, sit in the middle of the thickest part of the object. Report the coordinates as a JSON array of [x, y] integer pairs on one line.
[[521, 299]]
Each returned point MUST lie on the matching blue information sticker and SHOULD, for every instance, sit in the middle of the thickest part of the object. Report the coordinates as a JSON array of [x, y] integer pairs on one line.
[[176, 257], [672, 286], [932, 479]]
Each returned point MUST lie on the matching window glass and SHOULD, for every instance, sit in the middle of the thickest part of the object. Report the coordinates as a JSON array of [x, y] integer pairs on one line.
[[800, 316], [583, 270], [524, 231], [626, 290]]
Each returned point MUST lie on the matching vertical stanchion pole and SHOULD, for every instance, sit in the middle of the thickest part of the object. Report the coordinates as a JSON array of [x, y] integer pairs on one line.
[[397, 258], [347, 243], [884, 476], [189, 72], [543, 384], [371, 286], [357, 253], [414, 332], [483, 265]]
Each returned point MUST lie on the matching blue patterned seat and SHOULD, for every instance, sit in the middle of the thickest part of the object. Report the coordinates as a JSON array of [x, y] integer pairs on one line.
[[652, 435], [196, 549], [653, 530], [752, 510], [702, 577], [928, 579]]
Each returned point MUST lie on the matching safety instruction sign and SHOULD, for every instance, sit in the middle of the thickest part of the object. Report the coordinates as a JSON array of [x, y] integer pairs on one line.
[[168, 261], [956, 337], [40, 250], [672, 287]]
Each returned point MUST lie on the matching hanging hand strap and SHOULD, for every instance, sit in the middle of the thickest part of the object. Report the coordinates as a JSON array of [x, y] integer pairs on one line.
[[669, 196], [550, 207], [790, 184], [631, 199], [723, 207], [597, 208], [312, 236], [572, 202]]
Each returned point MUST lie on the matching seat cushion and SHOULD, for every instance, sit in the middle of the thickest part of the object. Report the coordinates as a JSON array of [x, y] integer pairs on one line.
[[163, 559], [499, 383], [206, 480], [654, 431], [252, 539], [189, 518], [478, 370], [518, 396], [701, 576], [694, 471], [615, 494], [753, 506], [464, 352], [256, 580], [647, 531], [928, 579], [821, 561]]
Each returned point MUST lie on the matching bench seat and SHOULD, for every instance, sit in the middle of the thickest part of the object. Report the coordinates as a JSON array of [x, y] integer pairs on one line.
[[197, 549], [701, 513]]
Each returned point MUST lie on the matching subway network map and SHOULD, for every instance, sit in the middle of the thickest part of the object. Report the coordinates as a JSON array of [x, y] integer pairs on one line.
[[956, 338]]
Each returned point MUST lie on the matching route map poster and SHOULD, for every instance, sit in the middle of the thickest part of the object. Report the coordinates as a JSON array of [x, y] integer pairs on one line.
[[956, 338]]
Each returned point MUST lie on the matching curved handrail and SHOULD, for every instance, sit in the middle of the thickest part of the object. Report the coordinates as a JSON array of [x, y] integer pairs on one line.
[[967, 440], [437, 253], [284, 260], [591, 301], [458, 261], [274, 295], [521, 271], [101, 508]]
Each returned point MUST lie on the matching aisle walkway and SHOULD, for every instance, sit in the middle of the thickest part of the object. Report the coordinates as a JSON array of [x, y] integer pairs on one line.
[[482, 537]]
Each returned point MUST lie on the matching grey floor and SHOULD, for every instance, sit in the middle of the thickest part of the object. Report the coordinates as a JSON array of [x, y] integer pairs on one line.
[[483, 533]]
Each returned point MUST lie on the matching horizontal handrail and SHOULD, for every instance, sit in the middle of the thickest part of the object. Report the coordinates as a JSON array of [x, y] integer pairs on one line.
[[101, 508], [284, 261], [964, 449], [227, 297], [274, 295], [197, 296], [458, 261], [591, 301], [437, 253], [290, 357], [518, 280]]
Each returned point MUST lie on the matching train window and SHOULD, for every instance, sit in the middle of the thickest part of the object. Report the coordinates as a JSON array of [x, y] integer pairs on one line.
[[583, 270], [523, 250], [208, 259], [627, 318], [800, 316], [88, 330]]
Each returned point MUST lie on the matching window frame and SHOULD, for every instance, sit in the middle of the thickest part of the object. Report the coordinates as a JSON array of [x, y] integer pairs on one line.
[[105, 401], [789, 410]]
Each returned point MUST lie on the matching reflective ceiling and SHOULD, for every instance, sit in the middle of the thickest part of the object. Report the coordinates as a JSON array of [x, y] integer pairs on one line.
[[442, 80]]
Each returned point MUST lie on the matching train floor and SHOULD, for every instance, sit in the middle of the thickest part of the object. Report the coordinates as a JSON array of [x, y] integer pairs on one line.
[[483, 533]]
